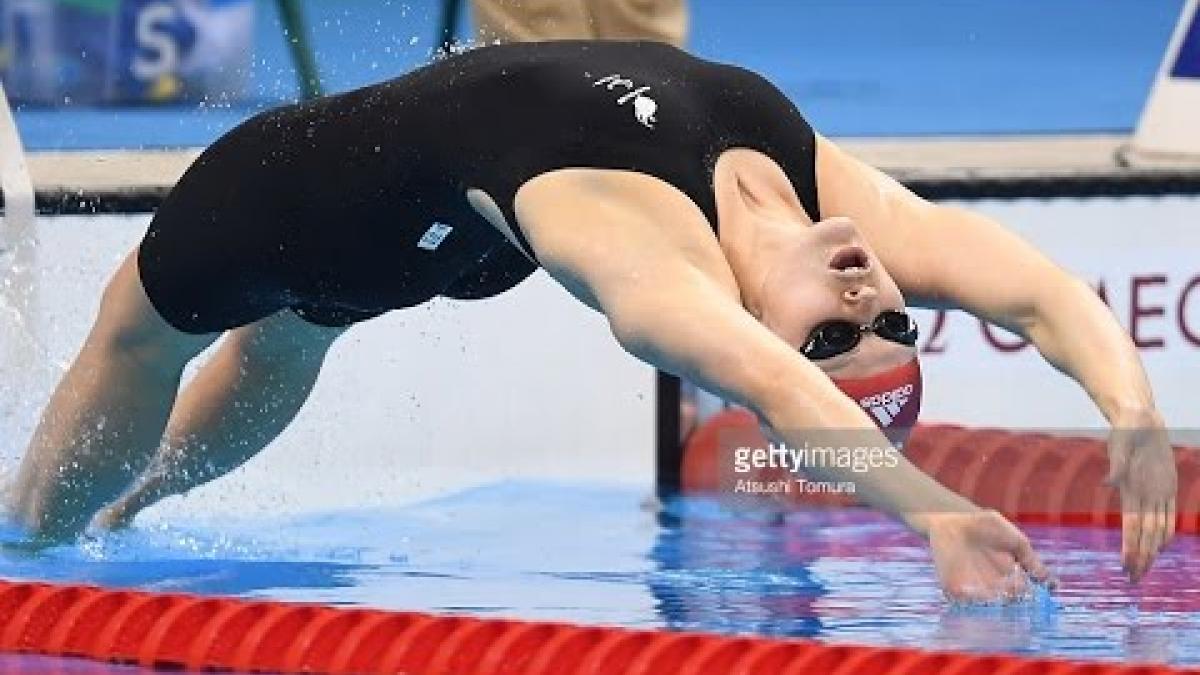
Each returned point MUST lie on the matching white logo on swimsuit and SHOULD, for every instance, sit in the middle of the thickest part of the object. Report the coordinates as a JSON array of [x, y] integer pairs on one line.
[[887, 405], [644, 107], [434, 236]]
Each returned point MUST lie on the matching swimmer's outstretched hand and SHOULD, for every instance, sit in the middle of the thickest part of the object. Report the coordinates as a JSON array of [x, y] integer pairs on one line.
[[981, 557], [1141, 464]]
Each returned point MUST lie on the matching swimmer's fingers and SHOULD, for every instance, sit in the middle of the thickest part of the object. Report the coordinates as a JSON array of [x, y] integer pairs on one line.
[[1163, 529], [1006, 581], [1144, 533], [1162, 525], [1143, 464], [1029, 561], [981, 557], [1153, 528], [1131, 535], [1017, 587], [1147, 528]]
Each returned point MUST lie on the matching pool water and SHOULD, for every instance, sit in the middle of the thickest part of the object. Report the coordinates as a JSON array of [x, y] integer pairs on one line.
[[603, 555], [45, 665]]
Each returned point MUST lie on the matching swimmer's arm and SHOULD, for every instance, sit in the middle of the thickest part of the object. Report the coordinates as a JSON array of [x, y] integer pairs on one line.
[[949, 257], [666, 312], [1014, 286]]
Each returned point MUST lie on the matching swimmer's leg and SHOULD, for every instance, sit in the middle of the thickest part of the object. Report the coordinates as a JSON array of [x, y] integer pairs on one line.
[[239, 402], [105, 419]]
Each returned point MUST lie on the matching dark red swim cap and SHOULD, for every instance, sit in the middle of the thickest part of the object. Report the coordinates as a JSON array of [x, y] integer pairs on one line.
[[891, 398]]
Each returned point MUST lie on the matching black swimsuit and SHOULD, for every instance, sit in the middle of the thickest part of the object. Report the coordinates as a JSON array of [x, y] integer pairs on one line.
[[352, 205]]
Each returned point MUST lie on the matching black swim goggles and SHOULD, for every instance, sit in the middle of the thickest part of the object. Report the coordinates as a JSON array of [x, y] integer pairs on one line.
[[836, 337]]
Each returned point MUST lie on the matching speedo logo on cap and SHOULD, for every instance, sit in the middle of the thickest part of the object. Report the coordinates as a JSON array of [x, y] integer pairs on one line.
[[886, 406]]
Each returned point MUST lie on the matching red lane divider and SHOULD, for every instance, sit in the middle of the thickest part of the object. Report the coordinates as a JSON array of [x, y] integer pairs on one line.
[[1030, 477], [198, 633]]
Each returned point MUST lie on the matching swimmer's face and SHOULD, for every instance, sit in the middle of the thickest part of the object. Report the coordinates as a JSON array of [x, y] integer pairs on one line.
[[832, 274]]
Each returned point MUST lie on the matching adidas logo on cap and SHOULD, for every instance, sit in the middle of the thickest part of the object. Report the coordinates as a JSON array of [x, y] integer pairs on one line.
[[886, 406]]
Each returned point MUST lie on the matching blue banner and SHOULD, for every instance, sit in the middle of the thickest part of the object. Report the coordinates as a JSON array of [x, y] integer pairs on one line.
[[60, 52], [1187, 62]]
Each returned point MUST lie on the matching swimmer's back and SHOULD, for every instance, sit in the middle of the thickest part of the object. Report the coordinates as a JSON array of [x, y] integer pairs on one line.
[[323, 206], [498, 116]]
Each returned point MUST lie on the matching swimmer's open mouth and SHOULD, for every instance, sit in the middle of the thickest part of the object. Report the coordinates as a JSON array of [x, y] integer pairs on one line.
[[850, 261]]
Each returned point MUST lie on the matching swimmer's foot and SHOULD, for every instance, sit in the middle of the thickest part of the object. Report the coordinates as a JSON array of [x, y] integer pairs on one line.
[[115, 516]]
